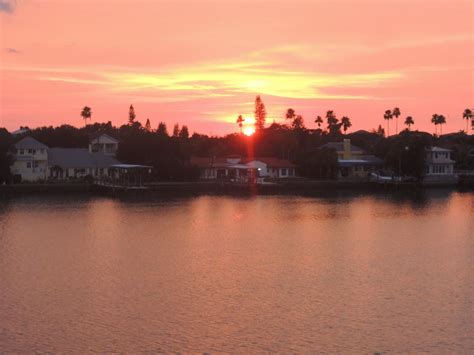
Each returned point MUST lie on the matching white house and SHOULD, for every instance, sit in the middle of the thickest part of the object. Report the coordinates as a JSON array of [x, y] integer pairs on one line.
[[236, 169], [30, 159], [34, 161], [439, 167], [105, 144], [272, 167]]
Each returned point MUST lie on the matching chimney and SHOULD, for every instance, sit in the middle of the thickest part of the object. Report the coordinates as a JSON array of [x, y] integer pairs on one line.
[[347, 149]]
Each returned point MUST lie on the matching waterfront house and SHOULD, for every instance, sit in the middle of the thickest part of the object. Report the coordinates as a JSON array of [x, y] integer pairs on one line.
[[30, 160], [272, 167], [234, 168], [439, 167], [229, 168], [34, 161], [73, 163], [353, 162]]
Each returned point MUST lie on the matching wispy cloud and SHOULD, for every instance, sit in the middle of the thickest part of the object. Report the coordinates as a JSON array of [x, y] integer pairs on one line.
[[212, 80], [7, 6], [12, 51]]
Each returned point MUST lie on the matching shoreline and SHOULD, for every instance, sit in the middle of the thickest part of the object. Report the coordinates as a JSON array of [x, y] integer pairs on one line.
[[204, 187]]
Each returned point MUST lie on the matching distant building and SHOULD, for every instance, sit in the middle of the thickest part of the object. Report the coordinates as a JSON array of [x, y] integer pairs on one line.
[[30, 159], [353, 162], [73, 163], [272, 167], [20, 131], [34, 161], [236, 169], [105, 144], [439, 167]]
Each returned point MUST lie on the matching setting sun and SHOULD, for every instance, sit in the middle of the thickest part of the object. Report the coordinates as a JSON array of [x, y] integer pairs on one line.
[[249, 130]]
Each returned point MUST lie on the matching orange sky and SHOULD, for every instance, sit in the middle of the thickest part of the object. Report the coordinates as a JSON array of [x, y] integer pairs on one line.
[[201, 63]]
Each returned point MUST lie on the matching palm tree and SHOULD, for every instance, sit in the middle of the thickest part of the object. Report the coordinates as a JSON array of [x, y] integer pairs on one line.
[[388, 116], [318, 121], [346, 123], [467, 115], [396, 112], [409, 121], [435, 121], [240, 122], [86, 113], [441, 122], [290, 114]]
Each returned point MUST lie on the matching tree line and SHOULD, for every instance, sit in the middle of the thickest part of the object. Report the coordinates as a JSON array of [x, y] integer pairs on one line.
[[170, 152]]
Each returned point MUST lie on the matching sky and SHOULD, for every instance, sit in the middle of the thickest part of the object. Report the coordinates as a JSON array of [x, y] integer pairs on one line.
[[202, 63]]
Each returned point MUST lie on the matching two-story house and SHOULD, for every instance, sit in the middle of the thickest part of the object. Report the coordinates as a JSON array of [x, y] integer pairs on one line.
[[353, 162], [439, 167], [34, 161], [30, 160], [104, 144]]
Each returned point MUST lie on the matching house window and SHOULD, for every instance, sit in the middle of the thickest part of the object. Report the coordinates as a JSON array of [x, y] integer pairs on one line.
[[35, 164], [22, 151], [28, 165], [284, 172]]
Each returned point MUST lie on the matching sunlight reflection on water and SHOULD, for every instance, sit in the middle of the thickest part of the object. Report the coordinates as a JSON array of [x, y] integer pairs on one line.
[[357, 273]]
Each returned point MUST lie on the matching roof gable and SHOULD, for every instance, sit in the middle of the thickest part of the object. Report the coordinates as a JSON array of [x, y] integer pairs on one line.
[[104, 138], [29, 143]]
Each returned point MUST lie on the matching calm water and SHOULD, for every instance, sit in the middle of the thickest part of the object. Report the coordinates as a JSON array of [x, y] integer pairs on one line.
[[367, 273]]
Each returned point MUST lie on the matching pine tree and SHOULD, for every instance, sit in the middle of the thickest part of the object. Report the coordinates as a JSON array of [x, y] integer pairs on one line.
[[260, 113], [176, 130], [184, 132], [162, 129], [240, 122], [148, 125], [131, 115]]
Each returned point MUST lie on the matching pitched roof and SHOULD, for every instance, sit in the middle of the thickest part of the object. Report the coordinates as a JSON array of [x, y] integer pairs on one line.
[[363, 160], [98, 136], [79, 158], [29, 143], [438, 149], [272, 162], [339, 147], [209, 162]]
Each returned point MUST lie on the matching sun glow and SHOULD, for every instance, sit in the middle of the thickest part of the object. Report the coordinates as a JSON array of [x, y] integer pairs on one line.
[[249, 130]]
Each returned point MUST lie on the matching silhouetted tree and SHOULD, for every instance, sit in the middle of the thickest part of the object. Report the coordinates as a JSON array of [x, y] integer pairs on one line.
[[260, 113], [176, 130], [346, 123], [467, 115], [298, 123], [86, 113], [5, 158], [148, 125], [396, 112], [441, 122], [318, 121], [240, 122], [388, 116], [162, 129], [131, 115], [435, 121], [184, 132], [409, 121], [334, 126], [379, 131], [290, 114]]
